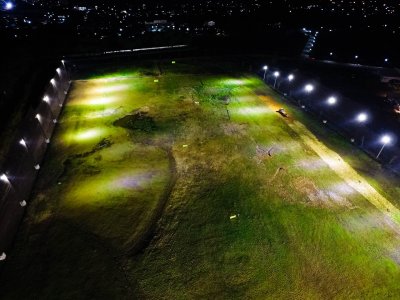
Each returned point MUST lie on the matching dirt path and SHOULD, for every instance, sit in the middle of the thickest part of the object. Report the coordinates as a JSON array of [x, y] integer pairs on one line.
[[339, 166]]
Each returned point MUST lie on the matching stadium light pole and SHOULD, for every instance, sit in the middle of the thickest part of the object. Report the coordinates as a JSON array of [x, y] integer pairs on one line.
[[362, 118], [276, 75], [385, 140], [5, 179], [309, 88], [46, 99], [290, 79], [22, 142], [265, 68], [39, 119]]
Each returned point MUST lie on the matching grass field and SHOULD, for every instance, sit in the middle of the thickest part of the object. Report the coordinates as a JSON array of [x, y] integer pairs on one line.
[[189, 185]]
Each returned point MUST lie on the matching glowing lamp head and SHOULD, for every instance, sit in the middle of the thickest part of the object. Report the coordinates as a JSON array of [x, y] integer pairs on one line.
[[4, 178], [332, 100], [290, 77], [386, 139], [58, 70], [38, 117], [362, 117], [53, 82], [265, 68], [309, 88], [46, 99], [276, 74], [22, 142]]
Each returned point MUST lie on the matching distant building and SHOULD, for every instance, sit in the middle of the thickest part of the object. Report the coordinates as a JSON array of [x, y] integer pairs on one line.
[[159, 26]]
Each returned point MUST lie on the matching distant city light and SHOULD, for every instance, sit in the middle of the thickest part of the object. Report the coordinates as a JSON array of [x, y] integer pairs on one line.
[[265, 68], [290, 77], [9, 6], [276, 74]]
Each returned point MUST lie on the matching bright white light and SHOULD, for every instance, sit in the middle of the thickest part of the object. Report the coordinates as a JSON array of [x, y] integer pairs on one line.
[[290, 77], [38, 117], [362, 117], [309, 88], [53, 82], [386, 59], [386, 139], [276, 74], [22, 142], [4, 178], [356, 56], [9, 6], [332, 100], [265, 68], [331, 53], [58, 70], [46, 99]]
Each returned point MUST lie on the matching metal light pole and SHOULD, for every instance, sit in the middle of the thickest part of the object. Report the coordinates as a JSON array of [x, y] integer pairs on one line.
[[290, 79], [47, 100], [276, 75], [265, 68], [362, 118], [38, 117], [385, 140], [23, 143]]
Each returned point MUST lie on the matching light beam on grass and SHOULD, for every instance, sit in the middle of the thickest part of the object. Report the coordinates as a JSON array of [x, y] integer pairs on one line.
[[112, 88], [253, 111], [101, 114], [95, 101], [86, 136]]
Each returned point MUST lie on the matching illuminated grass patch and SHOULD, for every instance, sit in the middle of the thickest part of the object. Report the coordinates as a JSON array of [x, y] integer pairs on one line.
[[194, 187]]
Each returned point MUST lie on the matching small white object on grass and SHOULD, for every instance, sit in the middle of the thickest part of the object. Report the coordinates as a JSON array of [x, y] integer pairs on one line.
[[233, 217], [197, 102], [155, 80], [185, 146], [59, 183], [22, 203], [324, 121]]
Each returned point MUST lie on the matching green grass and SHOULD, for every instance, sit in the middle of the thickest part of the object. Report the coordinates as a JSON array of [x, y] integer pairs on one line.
[[300, 230]]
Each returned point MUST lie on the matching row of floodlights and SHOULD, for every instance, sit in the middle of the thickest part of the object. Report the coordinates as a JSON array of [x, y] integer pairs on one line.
[[332, 100], [3, 177], [38, 117]]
